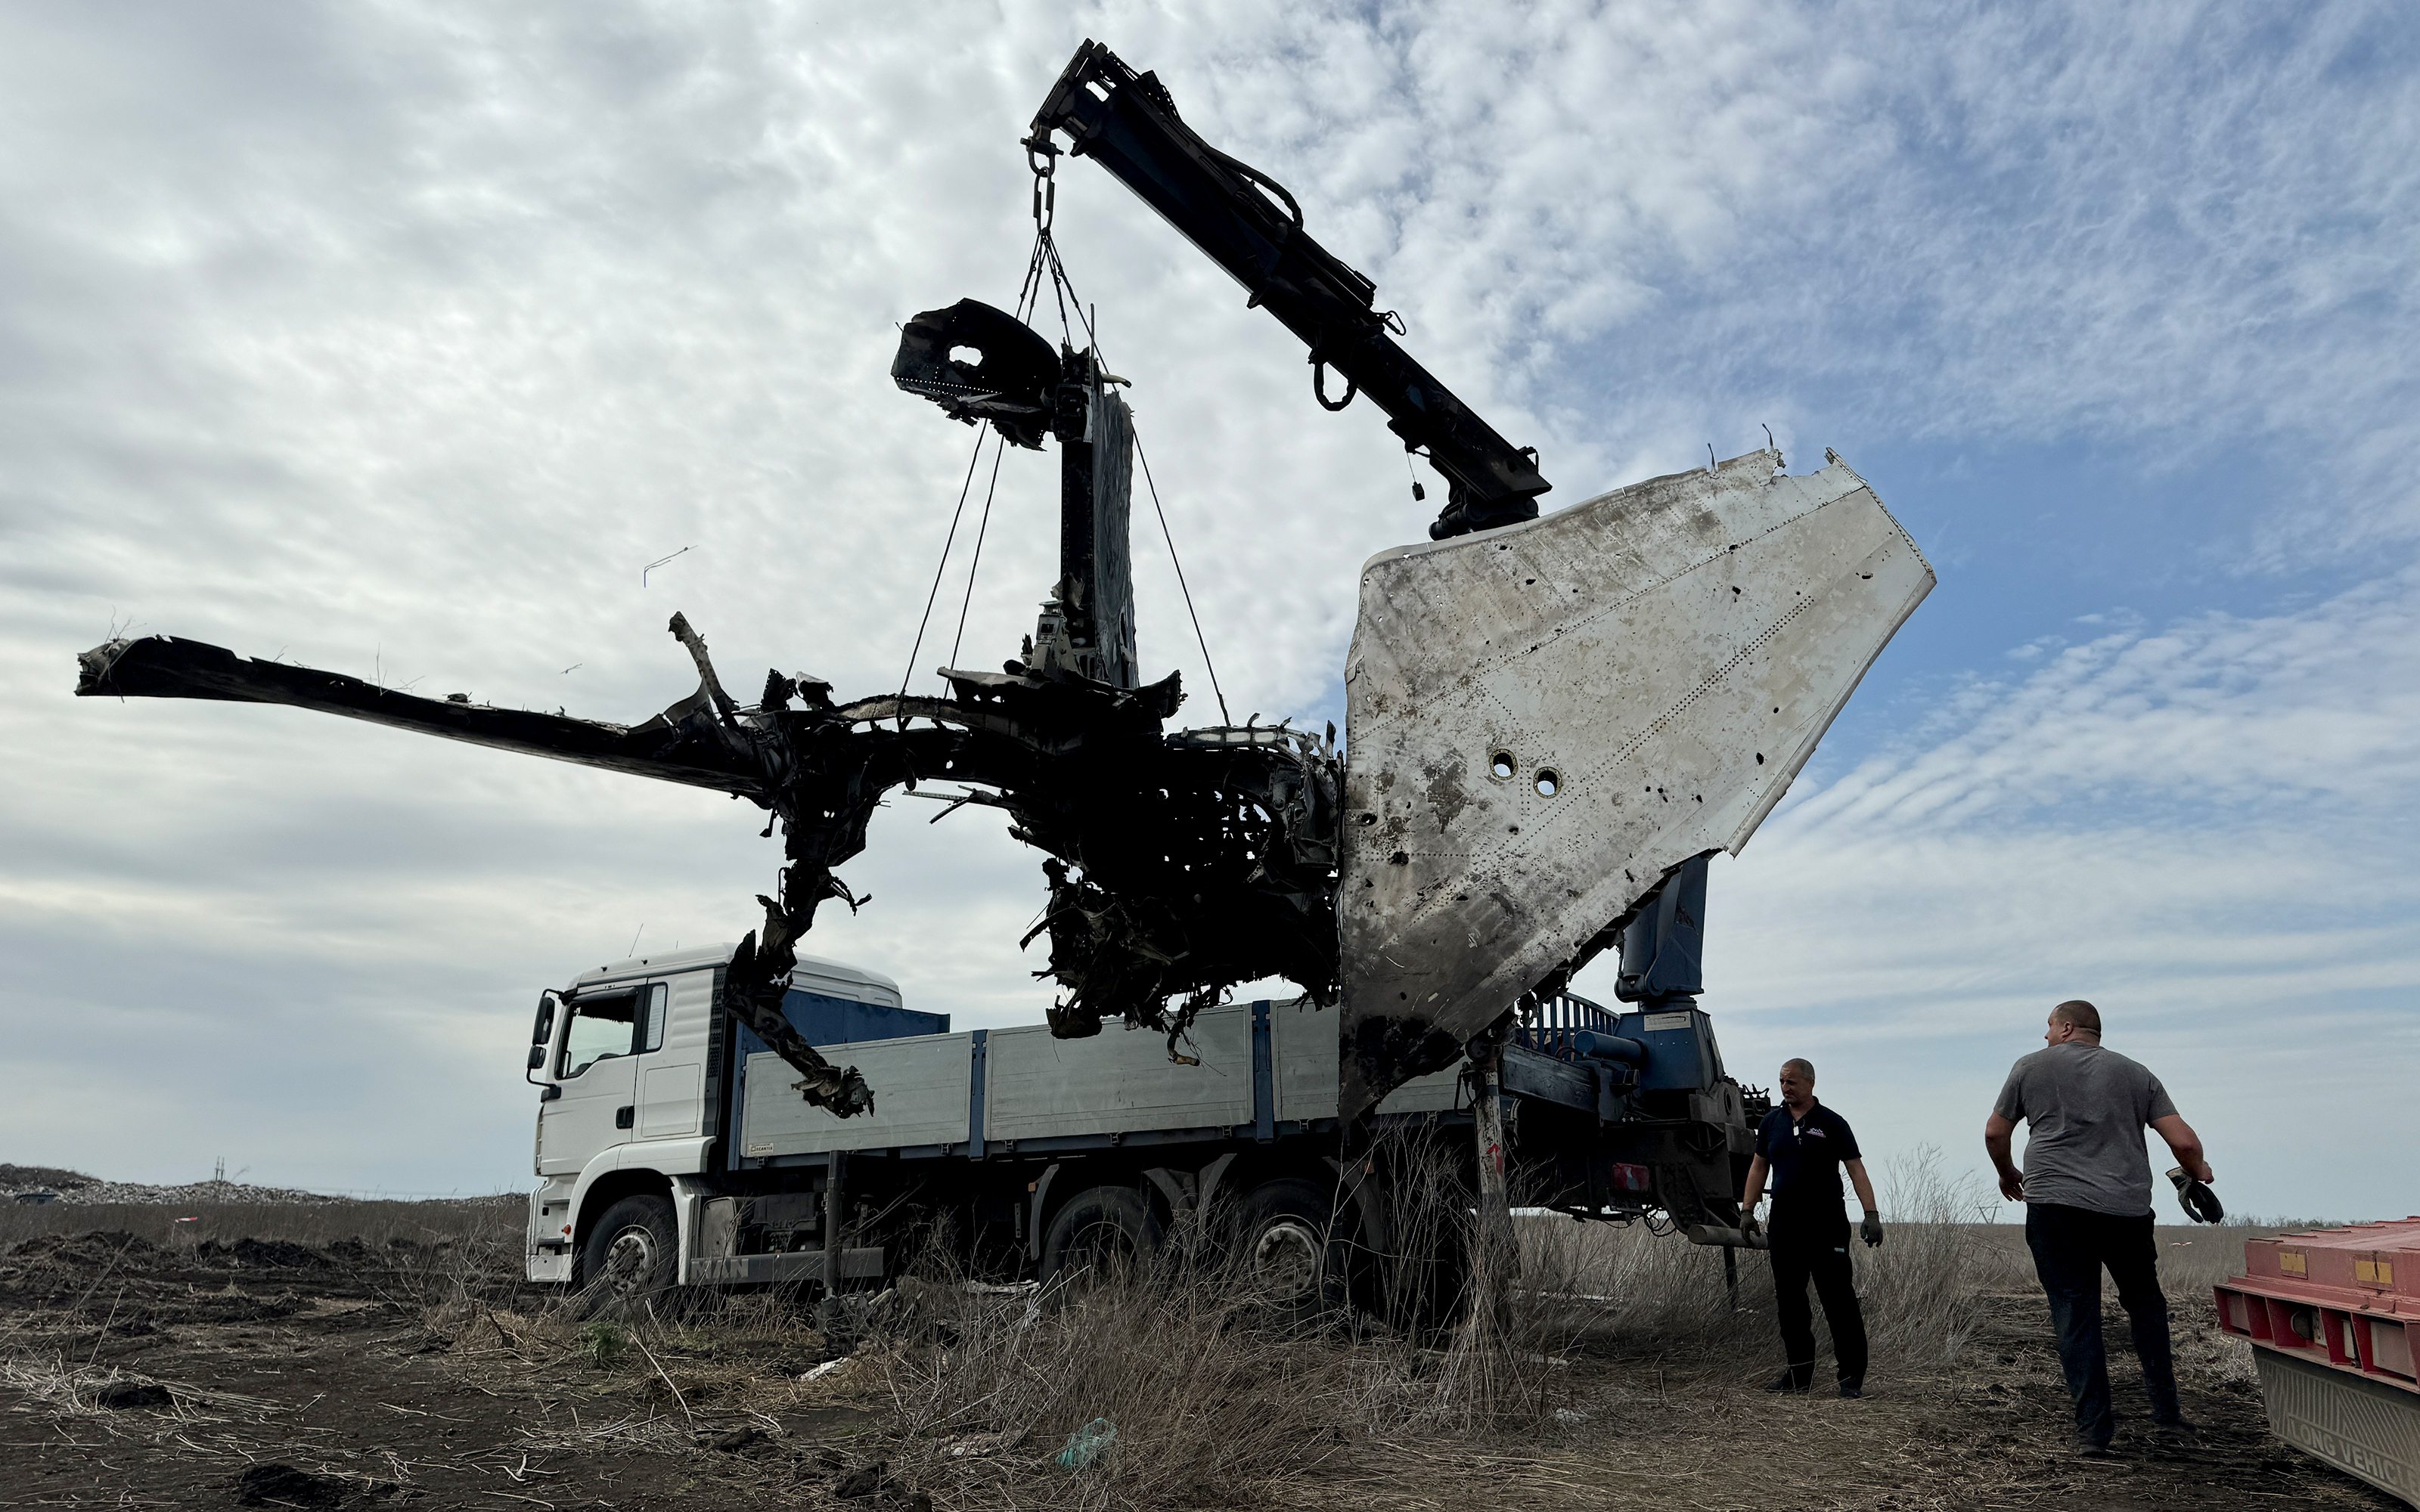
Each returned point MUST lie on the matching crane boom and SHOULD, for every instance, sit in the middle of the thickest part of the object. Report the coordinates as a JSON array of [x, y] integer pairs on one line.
[[1248, 224]]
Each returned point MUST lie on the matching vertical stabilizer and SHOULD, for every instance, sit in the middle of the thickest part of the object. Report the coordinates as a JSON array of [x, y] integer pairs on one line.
[[1545, 721]]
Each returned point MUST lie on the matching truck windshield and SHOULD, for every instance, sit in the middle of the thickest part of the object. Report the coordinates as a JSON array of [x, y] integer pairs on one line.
[[599, 1028]]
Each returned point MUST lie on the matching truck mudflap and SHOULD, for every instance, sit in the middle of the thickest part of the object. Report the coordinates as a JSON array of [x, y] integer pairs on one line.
[[547, 1249], [1548, 718]]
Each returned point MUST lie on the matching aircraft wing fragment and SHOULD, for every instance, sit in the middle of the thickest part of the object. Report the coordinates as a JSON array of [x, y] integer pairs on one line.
[[688, 743]]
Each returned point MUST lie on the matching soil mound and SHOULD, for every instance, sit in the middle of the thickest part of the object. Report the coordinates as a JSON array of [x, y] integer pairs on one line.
[[187, 1195], [278, 1254], [24, 1177]]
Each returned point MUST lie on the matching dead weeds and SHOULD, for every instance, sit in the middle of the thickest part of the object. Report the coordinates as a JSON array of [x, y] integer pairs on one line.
[[405, 1364]]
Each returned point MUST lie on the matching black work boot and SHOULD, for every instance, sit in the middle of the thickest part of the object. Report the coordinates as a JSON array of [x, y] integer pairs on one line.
[[1851, 1389], [1792, 1379]]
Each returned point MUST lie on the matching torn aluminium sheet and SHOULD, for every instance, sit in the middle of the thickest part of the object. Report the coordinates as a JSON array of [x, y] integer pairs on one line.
[[1544, 721]]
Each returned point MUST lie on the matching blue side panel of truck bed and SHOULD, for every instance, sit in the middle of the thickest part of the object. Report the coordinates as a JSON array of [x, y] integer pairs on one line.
[[838, 1020], [824, 1020]]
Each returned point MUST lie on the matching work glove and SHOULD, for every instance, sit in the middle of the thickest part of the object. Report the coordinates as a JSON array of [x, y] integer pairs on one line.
[[1750, 1227], [2200, 1203], [1871, 1230]]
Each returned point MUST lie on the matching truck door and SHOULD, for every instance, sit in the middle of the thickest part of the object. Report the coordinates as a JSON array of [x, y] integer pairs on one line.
[[595, 1066], [672, 1055]]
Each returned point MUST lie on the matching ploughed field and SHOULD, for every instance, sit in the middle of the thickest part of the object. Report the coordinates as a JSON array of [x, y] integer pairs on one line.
[[387, 1354]]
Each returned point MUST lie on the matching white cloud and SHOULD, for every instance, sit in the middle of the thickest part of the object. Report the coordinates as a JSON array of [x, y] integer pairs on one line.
[[2308, 713], [2206, 830]]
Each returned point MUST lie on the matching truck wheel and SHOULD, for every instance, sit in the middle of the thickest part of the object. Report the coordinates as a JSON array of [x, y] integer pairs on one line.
[[631, 1255], [1293, 1249], [1101, 1227]]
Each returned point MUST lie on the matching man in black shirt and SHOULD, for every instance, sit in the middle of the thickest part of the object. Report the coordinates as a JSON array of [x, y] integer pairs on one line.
[[1805, 1145]]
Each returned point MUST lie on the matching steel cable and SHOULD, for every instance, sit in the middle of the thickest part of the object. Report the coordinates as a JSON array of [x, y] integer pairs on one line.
[[976, 566], [1028, 295], [939, 569]]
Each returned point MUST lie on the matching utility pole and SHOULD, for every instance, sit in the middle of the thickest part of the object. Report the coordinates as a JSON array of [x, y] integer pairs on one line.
[[836, 1208], [1494, 1258]]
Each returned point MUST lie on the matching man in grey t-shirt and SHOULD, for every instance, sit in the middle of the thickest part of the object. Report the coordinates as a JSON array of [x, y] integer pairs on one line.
[[2087, 1187]]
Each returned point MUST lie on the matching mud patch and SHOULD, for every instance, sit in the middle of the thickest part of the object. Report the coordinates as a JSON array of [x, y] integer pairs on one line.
[[285, 1486]]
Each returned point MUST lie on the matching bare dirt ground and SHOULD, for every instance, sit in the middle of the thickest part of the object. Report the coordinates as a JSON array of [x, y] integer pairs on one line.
[[386, 1355]]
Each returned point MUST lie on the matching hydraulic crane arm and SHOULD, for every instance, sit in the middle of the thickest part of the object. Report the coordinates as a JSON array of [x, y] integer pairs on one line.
[[1127, 122]]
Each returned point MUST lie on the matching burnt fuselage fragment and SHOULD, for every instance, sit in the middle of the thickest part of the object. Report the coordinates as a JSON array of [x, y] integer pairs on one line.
[[1179, 864]]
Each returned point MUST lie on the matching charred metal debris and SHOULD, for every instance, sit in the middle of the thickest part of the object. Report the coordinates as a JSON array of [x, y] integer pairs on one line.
[[1179, 863], [1530, 699]]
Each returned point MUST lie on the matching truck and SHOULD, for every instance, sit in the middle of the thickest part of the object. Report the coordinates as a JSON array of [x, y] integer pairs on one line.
[[672, 1150]]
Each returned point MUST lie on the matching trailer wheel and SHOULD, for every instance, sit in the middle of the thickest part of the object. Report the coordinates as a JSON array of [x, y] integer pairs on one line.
[[1099, 1227], [631, 1255], [1293, 1248]]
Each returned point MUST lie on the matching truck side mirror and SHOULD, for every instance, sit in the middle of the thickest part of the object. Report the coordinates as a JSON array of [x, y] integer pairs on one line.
[[542, 1042]]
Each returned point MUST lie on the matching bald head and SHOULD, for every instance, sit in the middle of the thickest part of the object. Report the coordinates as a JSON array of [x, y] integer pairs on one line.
[[2079, 1015], [1796, 1084]]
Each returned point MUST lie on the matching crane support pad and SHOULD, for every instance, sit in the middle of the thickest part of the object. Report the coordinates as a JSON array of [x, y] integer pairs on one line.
[[1544, 721]]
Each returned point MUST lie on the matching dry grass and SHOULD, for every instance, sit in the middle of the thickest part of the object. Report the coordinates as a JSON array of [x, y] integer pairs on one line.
[[1617, 1370], [1206, 1396], [471, 1221], [1215, 1403]]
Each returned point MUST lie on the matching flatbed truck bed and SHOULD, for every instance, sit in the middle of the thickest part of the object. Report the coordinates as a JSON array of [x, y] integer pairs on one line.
[[683, 1154]]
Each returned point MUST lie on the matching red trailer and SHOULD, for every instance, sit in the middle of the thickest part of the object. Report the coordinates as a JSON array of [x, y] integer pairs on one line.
[[2334, 1317]]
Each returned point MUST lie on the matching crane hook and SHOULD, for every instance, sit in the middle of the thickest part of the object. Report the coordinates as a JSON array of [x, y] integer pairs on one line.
[[1319, 386]]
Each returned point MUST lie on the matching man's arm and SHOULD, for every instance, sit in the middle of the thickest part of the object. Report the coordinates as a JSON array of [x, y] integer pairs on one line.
[[1754, 1191], [2182, 1141], [1857, 1169], [1871, 1228], [1996, 1133]]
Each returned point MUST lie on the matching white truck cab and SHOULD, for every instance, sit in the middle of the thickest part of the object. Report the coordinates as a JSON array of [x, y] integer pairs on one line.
[[632, 1061]]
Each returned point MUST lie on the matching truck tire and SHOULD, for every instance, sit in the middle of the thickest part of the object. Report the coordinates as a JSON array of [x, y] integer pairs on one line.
[[1293, 1249], [631, 1255], [1101, 1224]]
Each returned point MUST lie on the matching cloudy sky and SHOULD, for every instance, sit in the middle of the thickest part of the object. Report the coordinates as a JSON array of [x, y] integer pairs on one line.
[[398, 339]]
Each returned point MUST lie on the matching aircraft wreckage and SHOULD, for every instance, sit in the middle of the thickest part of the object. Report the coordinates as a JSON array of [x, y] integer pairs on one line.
[[1547, 718]]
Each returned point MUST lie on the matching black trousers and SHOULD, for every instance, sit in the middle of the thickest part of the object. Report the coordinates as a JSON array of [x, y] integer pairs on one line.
[[1816, 1250], [2071, 1246]]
